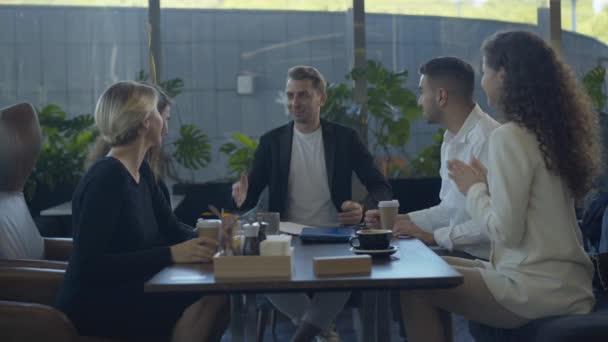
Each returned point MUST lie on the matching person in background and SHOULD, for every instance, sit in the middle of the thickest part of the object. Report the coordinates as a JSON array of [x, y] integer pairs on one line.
[[307, 166], [540, 161], [446, 97], [125, 232]]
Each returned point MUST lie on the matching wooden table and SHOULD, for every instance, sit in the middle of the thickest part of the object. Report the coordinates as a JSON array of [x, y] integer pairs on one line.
[[414, 266]]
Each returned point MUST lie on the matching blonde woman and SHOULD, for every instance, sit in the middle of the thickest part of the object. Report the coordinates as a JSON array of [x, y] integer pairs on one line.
[[155, 156], [543, 158], [125, 232]]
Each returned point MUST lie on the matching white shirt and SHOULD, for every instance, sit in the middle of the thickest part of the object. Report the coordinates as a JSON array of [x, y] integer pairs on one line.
[[449, 221], [19, 236], [308, 197], [538, 266]]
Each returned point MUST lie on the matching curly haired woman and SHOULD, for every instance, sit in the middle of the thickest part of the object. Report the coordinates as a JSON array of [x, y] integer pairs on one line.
[[540, 161]]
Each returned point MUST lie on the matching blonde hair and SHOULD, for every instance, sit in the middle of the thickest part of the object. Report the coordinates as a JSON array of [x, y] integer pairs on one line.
[[121, 110]]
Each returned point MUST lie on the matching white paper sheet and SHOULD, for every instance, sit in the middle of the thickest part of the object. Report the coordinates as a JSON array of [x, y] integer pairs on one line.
[[291, 228]]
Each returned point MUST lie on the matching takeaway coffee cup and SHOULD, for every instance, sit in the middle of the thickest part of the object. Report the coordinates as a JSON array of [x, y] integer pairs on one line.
[[209, 228], [388, 213], [372, 239]]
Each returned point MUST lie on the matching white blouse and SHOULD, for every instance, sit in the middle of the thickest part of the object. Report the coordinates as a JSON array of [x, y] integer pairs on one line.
[[538, 266]]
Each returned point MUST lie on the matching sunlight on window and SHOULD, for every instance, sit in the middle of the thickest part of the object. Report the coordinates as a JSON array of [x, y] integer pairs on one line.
[[589, 17]]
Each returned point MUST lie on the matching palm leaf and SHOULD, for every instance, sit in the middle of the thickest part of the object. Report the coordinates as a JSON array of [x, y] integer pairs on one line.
[[192, 148]]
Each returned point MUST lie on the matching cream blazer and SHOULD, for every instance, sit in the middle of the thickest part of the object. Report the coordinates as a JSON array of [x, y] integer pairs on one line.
[[537, 266]]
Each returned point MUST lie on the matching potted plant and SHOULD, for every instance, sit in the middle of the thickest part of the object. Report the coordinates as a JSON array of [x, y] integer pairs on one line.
[[594, 82], [240, 153], [392, 109], [65, 144], [191, 149]]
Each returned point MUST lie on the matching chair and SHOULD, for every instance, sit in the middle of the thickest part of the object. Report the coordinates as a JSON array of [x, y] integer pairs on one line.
[[26, 313], [265, 310], [592, 327], [31, 267], [20, 145], [34, 322]]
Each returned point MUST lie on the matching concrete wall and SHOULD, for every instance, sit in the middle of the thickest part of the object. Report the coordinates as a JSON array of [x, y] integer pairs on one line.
[[68, 55]]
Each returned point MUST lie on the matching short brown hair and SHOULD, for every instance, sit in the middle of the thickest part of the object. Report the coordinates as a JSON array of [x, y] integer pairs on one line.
[[451, 69], [304, 72]]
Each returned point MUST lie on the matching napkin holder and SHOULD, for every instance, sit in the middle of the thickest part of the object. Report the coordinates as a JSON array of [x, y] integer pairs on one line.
[[254, 267], [342, 265]]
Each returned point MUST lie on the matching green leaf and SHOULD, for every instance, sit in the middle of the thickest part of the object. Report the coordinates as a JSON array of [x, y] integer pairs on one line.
[[172, 87], [240, 153], [427, 162], [244, 140], [593, 81], [192, 148]]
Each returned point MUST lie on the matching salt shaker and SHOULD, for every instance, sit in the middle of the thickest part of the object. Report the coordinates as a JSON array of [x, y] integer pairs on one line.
[[262, 232], [251, 246]]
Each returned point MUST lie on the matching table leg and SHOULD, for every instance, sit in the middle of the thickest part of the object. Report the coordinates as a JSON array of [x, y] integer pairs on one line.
[[383, 315], [236, 318], [376, 315], [368, 315], [251, 321]]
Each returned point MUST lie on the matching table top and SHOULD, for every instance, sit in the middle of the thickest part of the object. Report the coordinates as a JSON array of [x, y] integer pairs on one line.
[[414, 266], [65, 209]]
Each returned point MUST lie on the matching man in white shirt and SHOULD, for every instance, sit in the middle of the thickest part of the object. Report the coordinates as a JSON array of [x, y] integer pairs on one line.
[[307, 166], [446, 97]]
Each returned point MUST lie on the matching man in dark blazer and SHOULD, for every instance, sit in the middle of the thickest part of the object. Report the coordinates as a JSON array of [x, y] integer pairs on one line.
[[307, 166], [342, 148]]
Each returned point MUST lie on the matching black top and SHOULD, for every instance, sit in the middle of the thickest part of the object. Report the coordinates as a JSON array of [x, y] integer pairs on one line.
[[345, 153], [122, 233]]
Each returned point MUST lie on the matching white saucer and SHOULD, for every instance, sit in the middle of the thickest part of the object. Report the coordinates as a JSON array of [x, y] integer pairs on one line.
[[388, 251]]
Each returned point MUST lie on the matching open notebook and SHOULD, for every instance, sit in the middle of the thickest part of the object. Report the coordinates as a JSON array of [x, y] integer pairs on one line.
[[291, 228]]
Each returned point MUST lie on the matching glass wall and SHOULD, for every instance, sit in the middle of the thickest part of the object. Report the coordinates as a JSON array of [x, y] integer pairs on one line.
[[218, 48], [232, 55], [67, 55]]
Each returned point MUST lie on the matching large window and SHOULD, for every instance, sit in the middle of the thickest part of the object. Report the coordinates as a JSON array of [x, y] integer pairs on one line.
[[218, 47], [67, 55], [232, 55]]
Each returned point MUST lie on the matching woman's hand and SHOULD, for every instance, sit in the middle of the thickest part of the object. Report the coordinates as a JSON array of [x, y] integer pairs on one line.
[[465, 175], [200, 249]]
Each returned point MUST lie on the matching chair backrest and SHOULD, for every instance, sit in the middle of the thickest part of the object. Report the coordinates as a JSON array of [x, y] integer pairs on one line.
[[20, 145], [29, 284], [603, 247], [34, 322], [591, 223]]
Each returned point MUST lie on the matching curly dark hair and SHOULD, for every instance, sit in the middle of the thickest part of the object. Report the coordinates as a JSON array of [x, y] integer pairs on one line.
[[541, 93]]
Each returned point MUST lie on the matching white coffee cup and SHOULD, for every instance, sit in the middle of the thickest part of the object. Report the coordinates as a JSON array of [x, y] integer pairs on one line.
[[388, 213]]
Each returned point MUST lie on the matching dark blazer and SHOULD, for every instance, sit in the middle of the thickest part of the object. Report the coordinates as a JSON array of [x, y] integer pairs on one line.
[[344, 153]]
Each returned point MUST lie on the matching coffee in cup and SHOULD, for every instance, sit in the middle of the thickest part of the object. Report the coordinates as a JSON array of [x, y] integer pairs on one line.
[[209, 228], [372, 239], [388, 213]]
